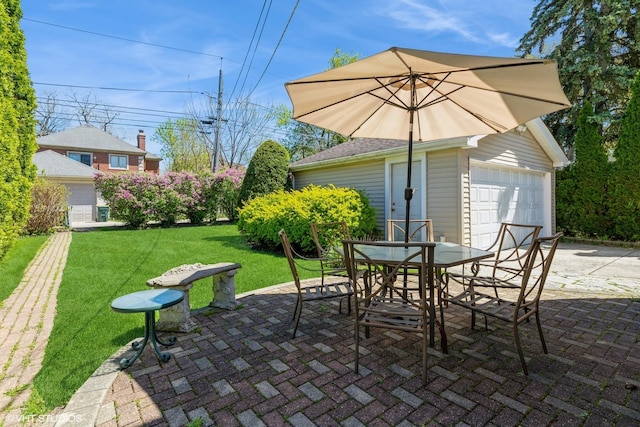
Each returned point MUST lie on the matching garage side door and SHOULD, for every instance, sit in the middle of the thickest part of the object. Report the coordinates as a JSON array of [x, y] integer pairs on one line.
[[82, 201], [503, 195]]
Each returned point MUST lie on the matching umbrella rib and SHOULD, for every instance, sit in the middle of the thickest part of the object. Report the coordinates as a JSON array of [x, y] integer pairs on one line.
[[399, 104]]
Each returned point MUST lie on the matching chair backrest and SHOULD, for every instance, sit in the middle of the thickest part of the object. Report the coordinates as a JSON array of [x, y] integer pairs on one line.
[[536, 270], [288, 252], [380, 265], [328, 235], [396, 230], [512, 247]]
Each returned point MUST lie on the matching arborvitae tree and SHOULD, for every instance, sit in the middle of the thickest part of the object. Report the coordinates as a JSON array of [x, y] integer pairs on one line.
[[267, 172], [591, 176], [17, 126], [624, 187]]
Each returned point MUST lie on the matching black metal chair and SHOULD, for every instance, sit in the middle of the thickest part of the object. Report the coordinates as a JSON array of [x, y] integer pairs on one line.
[[516, 298], [313, 291], [386, 300], [327, 236]]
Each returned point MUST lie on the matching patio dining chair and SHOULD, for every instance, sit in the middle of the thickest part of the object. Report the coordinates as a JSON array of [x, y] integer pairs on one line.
[[383, 299], [512, 248], [516, 298], [396, 230], [327, 236], [312, 291]]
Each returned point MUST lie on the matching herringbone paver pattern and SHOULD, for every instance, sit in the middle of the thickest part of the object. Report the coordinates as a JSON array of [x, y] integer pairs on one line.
[[26, 319], [242, 368]]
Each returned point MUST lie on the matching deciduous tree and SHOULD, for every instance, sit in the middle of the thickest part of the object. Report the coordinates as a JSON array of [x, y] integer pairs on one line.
[[302, 139]]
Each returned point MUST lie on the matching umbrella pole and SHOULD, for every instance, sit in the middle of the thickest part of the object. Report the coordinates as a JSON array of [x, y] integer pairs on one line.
[[408, 192]]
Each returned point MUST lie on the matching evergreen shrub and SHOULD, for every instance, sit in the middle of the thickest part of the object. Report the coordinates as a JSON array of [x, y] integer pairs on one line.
[[262, 217], [267, 172]]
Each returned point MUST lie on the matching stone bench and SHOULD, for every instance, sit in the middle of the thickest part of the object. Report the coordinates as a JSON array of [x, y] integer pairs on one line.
[[178, 317]]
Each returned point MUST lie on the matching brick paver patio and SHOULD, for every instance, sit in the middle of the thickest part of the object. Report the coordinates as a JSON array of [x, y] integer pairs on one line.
[[242, 368]]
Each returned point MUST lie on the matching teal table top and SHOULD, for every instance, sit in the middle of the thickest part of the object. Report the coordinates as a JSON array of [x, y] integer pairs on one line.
[[150, 300]]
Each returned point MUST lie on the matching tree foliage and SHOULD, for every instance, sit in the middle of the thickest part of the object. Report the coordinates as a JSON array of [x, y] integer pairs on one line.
[[268, 171], [624, 188], [595, 45], [302, 139], [181, 148], [17, 127]]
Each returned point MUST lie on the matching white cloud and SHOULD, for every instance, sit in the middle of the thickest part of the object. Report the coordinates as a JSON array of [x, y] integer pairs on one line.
[[414, 15], [504, 39]]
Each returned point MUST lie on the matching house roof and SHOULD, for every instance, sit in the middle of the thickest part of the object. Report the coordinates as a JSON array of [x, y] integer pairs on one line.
[[88, 138], [52, 164], [363, 148]]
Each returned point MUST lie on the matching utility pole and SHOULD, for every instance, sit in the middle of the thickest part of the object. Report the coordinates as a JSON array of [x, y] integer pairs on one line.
[[218, 122]]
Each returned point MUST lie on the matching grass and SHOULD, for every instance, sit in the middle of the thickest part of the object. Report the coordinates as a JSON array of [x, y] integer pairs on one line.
[[103, 265], [16, 261]]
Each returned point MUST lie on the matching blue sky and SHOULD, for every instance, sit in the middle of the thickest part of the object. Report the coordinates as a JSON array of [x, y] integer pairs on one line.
[[161, 48]]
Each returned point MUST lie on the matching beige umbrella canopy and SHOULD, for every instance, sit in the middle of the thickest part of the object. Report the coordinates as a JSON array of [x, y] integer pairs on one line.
[[406, 93]]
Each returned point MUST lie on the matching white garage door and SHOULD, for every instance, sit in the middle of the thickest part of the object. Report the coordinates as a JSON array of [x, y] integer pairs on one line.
[[82, 199], [503, 195]]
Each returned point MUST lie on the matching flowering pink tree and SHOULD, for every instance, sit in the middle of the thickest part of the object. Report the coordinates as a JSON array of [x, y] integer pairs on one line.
[[138, 198]]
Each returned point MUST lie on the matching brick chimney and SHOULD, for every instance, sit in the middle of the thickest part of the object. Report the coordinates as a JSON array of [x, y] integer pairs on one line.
[[142, 140]]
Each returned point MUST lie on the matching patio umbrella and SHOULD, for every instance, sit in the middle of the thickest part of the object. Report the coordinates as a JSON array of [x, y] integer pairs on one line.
[[401, 93]]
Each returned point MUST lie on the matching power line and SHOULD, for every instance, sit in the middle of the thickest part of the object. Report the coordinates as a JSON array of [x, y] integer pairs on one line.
[[120, 38], [116, 88], [255, 30], [276, 48]]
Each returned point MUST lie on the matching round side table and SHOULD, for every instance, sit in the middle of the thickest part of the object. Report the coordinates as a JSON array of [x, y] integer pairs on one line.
[[148, 302]]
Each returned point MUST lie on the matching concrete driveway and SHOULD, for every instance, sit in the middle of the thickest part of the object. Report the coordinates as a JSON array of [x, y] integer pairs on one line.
[[596, 269]]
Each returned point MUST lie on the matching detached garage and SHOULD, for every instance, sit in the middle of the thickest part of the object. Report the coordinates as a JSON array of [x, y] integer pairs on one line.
[[77, 177], [467, 186]]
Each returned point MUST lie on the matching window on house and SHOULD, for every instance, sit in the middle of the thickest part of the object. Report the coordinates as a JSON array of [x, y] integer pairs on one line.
[[118, 161], [80, 157], [141, 163]]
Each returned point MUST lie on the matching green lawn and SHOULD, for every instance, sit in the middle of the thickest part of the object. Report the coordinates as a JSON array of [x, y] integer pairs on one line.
[[16, 261], [105, 264]]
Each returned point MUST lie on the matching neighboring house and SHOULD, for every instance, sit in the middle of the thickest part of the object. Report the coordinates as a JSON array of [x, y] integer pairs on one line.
[[72, 157], [77, 177], [467, 185]]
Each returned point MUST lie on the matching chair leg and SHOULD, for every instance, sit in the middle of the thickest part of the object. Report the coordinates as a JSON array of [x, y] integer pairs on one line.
[[296, 316], [357, 340], [544, 344], [516, 336], [424, 357]]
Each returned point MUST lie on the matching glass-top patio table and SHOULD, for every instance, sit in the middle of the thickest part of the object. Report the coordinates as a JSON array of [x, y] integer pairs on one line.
[[446, 255]]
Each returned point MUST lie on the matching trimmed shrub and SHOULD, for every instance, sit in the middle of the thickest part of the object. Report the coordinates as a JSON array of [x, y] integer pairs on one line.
[[267, 172], [49, 203], [262, 217]]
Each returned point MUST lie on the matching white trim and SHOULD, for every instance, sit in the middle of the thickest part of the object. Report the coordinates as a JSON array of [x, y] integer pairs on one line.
[[547, 142], [119, 155], [422, 195]]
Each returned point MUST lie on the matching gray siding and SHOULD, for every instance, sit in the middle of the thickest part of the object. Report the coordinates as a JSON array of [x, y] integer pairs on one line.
[[512, 149], [366, 176], [443, 183]]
